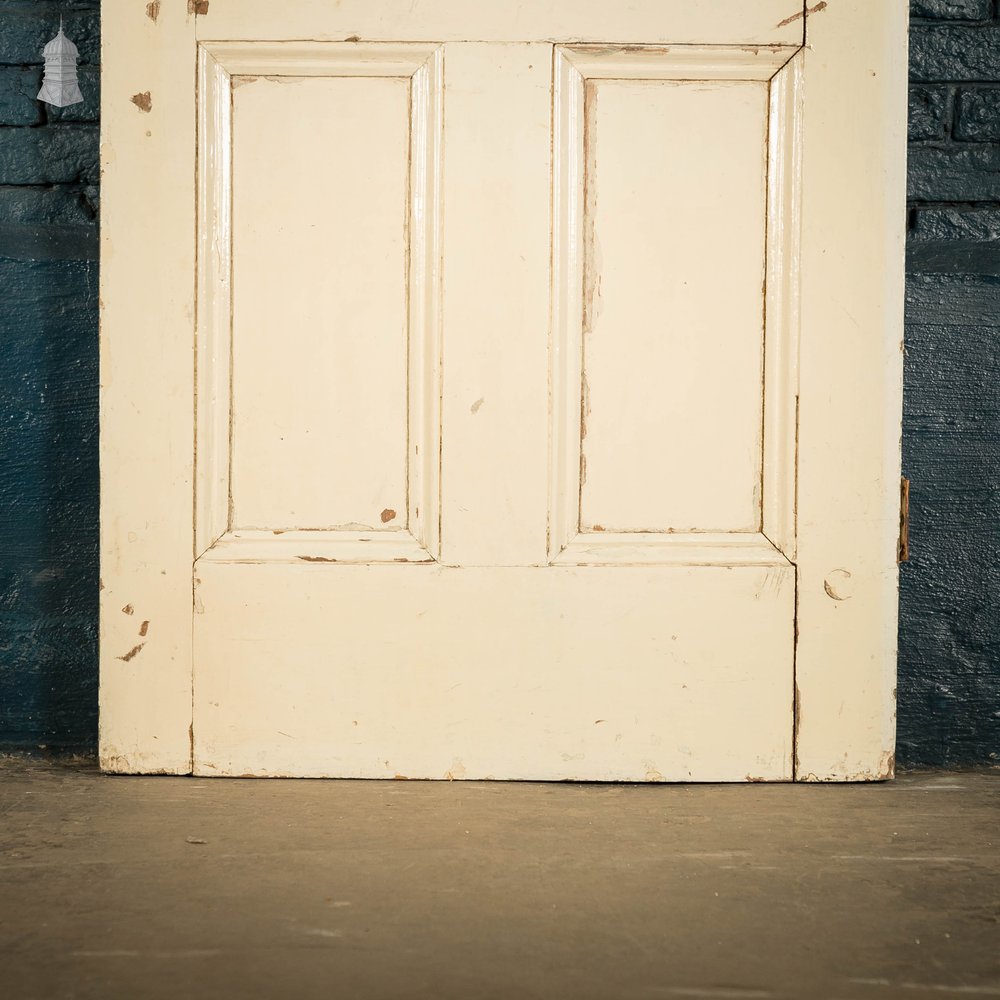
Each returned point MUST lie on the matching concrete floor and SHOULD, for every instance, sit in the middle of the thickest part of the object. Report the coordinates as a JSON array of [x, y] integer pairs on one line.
[[188, 888]]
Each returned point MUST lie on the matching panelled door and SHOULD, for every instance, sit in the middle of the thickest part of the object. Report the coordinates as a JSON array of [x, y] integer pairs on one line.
[[501, 390]]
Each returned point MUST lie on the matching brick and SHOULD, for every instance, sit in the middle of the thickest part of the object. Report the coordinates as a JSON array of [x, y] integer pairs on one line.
[[62, 205], [964, 10], [967, 257], [954, 241], [978, 224], [955, 173], [977, 117], [930, 113], [953, 300], [54, 155], [962, 53], [18, 86], [25, 30]]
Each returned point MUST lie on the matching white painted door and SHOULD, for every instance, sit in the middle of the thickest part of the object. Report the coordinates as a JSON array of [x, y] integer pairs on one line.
[[532, 372]]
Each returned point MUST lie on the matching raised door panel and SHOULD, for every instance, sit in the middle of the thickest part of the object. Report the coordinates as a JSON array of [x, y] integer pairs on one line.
[[675, 205], [318, 358], [675, 289], [319, 325]]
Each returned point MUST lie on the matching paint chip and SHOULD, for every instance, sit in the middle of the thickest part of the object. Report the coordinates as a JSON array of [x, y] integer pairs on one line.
[[198, 7], [128, 610], [387, 515], [132, 653], [144, 628], [153, 10], [822, 5], [143, 101]]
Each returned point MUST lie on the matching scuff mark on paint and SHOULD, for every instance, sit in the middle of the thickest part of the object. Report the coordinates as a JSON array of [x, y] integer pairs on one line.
[[822, 5]]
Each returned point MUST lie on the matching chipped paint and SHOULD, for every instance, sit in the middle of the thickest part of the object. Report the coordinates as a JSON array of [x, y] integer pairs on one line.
[[838, 586], [387, 515], [198, 7], [132, 653], [153, 10], [143, 101], [886, 766], [456, 772], [822, 5]]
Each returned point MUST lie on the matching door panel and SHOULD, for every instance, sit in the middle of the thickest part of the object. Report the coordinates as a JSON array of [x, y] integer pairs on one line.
[[319, 326], [560, 673], [673, 339], [675, 287]]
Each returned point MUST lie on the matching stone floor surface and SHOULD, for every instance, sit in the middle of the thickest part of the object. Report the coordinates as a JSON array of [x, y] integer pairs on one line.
[[191, 888]]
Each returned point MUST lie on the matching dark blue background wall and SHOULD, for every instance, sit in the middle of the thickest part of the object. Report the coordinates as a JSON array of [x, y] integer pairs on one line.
[[949, 637], [48, 384], [949, 683]]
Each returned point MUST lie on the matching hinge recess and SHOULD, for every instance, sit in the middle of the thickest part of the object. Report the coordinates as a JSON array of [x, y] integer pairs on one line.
[[903, 551]]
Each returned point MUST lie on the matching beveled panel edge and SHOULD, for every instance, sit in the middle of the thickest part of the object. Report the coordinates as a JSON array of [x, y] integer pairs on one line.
[[424, 339], [218, 64], [316, 547], [566, 303], [313, 58], [679, 62], [688, 548], [213, 302], [781, 307]]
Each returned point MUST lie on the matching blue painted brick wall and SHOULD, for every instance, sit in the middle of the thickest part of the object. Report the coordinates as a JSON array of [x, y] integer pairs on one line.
[[949, 639], [949, 679], [48, 384]]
